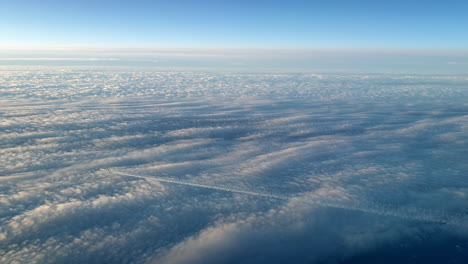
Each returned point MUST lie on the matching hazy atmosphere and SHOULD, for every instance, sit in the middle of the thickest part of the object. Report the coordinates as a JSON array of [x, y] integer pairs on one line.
[[202, 132]]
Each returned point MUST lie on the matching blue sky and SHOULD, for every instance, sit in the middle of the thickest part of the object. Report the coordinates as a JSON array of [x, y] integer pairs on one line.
[[332, 24]]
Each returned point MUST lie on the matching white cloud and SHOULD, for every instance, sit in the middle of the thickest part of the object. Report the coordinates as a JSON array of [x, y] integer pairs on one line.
[[390, 161]]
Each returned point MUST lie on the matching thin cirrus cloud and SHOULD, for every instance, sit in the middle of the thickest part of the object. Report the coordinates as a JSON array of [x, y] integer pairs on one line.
[[57, 59], [322, 60]]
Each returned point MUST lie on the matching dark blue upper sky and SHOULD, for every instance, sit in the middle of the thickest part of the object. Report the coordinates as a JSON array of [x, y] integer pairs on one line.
[[394, 24]]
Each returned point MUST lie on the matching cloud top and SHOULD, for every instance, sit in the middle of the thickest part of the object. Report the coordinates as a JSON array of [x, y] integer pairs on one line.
[[387, 150]]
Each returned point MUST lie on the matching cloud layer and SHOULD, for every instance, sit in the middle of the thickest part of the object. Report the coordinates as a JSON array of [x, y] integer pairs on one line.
[[387, 151]]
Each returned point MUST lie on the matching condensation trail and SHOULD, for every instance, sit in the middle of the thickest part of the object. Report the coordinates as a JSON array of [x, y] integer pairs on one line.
[[219, 188], [407, 213]]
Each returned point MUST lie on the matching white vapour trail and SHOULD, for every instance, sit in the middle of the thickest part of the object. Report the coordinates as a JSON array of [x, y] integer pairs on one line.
[[219, 188], [408, 213]]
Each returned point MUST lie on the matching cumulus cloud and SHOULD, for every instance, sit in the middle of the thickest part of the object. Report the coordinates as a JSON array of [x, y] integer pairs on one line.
[[358, 162]]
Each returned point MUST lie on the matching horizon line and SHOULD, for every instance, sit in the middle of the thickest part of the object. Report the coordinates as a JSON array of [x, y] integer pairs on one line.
[[167, 48]]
